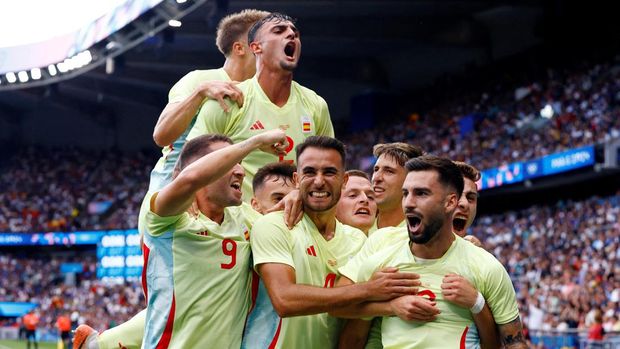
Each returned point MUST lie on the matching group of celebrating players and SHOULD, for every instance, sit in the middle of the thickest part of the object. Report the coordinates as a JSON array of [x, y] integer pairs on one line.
[[255, 235]]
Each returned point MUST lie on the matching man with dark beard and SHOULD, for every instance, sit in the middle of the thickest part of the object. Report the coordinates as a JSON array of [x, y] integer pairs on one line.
[[430, 196]]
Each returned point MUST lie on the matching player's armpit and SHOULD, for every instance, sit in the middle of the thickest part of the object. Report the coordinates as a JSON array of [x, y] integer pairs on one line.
[[511, 334], [354, 334]]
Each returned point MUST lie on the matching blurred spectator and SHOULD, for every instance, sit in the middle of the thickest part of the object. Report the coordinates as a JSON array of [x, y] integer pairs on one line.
[[63, 323]]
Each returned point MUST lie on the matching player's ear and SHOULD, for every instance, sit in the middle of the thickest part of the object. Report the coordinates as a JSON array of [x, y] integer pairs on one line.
[[255, 47], [238, 48], [255, 205], [451, 201], [295, 180], [345, 179]]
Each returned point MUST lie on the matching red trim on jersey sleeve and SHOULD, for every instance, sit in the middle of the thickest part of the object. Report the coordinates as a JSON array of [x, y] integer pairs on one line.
[[164, 341], [463, 338], [275, 337], [255, 282], [145, 256]]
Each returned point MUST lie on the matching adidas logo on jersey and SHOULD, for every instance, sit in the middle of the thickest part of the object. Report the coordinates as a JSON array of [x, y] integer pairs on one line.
[[311, 251], [257, 126]]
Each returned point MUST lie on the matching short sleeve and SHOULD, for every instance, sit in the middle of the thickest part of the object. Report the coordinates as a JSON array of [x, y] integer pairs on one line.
[[271, 241], [500, 294], [157, 225], [323, 122], [184, 87]]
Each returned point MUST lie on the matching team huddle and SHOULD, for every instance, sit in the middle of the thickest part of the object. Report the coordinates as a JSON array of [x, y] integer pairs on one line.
[[256, 236]]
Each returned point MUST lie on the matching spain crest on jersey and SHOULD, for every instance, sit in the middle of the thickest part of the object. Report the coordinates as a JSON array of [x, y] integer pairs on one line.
[[306, 124]]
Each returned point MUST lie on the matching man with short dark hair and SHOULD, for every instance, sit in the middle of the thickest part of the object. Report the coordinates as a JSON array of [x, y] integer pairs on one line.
[[468, 203], [271, 184], [299, 266]]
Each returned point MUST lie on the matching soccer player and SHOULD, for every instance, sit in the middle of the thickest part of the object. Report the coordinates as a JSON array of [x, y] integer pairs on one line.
[[387, 180], [356, 332], [177, 118], [468, 203], [188, 94], [271, 98], [299, 266], [357, 206], [430, 195], [197, 267], [271, 184]]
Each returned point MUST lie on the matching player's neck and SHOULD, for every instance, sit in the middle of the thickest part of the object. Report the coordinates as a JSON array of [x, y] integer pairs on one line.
[[390, 217], [325, 222], [276, 84], [236, 70], [437, 247]]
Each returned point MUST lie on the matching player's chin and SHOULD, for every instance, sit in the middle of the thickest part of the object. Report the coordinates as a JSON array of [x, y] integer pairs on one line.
[[363, 220], [235, 199], [288, 65]]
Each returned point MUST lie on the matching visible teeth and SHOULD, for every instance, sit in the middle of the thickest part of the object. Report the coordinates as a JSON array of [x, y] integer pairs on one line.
[[362, 211], [318, 194], [378, 190]]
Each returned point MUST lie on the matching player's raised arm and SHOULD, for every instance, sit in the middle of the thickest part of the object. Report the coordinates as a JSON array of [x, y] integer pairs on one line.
[[177, 196]]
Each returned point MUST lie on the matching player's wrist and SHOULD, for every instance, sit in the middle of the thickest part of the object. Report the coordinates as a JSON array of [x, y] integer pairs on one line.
[[478, 304]]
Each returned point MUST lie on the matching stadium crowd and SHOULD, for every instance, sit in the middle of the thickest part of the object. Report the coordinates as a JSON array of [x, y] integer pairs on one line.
[[70, 189], [563, 259], [506, 123], [39, 280]]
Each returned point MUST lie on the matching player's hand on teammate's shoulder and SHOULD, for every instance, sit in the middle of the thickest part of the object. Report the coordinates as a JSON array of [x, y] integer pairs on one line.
[[414, 308], [474, 240], [459, 290], [219, 90], [272, 141], [389, 283]]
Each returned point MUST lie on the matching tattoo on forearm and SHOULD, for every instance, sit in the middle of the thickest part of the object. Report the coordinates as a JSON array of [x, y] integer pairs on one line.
[[510, 339], [512, 334]]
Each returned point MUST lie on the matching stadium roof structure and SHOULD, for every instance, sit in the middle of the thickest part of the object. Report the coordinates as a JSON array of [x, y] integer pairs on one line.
[[350, 47]]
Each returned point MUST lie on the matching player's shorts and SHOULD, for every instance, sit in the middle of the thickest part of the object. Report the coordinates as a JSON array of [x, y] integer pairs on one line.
[[65, 335], [31, 334]]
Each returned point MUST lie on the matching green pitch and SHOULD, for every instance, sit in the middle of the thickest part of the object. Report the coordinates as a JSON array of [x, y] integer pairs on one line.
[[10, 344]]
